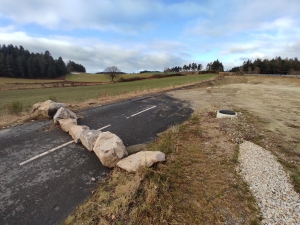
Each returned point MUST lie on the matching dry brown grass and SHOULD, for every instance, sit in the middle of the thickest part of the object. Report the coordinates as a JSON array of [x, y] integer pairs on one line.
[[198, 184]]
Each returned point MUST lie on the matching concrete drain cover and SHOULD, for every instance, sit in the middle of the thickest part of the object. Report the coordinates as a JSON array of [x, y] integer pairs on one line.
[[226, 113]]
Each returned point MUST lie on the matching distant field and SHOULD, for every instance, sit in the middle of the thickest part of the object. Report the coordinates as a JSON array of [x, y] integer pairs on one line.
[[82, 93], [86, 77], [5, 80]]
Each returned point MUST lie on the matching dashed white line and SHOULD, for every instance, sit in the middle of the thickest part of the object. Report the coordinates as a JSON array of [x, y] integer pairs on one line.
[[141, 112], [45, 153], [102, 128], [53, 149]]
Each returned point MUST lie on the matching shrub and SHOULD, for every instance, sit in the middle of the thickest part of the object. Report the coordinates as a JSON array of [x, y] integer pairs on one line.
[[129, 79], [16, 107], [53, 98], [166, 75]]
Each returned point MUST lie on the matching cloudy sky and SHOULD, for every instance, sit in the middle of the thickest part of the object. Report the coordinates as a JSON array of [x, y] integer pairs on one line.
[[139, 35]]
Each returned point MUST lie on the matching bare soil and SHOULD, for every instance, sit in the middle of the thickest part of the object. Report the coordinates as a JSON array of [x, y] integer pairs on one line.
[[272, 105]]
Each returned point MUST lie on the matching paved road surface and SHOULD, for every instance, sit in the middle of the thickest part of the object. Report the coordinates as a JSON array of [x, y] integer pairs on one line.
[[47, 189]]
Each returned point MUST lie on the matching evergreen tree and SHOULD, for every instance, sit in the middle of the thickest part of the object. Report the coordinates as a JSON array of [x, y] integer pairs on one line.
[[18, 62]]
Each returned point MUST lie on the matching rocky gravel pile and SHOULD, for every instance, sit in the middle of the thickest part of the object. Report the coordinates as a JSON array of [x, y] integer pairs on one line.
[[270, 185]]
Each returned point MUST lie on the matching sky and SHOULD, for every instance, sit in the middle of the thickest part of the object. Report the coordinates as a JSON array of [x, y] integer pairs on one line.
[[137, 35]]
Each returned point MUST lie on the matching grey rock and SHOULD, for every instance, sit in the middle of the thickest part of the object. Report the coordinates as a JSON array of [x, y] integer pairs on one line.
[[88, 138], [64, 113], [75, 132], [66, 124], [109, 148], [136, 148], [139, 160], [47, 108]]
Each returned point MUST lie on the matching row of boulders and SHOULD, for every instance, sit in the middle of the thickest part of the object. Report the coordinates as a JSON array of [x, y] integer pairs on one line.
[[108, 147]]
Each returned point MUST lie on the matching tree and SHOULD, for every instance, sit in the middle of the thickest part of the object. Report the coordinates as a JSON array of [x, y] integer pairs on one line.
[[194, 66], [18, 62], [199, 67], [112, 72]]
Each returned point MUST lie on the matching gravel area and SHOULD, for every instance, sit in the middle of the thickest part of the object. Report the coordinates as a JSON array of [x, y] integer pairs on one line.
[[270, 185]]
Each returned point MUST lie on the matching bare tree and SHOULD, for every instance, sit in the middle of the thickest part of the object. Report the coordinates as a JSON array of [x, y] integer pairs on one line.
[[112, 72], [166, 70]]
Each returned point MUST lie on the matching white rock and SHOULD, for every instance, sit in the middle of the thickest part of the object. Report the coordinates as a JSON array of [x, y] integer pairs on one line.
[[75, 132], [48, 107], [88, 138], [141, 159], [109, 148], [64, 113], [36, 106], [66, 124]]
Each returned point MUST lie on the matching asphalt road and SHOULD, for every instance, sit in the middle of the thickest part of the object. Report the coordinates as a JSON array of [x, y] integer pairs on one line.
[[47, 189]]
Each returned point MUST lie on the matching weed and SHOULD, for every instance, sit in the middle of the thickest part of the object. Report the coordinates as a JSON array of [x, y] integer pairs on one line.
[[255, 222], [15, 107], [53, 98], [195, 119], [235, 158]]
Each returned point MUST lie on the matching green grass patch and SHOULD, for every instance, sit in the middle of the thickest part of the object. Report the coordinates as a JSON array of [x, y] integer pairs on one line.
[[86, 77], [83, 93], [15, 107], [5, 80]]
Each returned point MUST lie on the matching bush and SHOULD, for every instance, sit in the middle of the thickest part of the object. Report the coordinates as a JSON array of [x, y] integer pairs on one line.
[[16, 107], [53, 98], [122, 79], [166, 75]]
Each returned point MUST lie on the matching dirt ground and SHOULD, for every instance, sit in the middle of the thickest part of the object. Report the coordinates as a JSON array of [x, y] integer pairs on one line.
[[271, 107], [275, 100]]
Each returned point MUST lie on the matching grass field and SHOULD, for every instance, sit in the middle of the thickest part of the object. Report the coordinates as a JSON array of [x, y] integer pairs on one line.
[[85, 77], [5, 80], [83, 93]]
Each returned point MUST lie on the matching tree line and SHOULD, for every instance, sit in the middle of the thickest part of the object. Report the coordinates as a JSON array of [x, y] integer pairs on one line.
[[150, 71], [20, 63], [276, 65], [213, 66], [189, 67]]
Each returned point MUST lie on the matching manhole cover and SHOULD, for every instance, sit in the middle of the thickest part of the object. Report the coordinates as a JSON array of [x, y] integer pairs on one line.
[[226, 113]]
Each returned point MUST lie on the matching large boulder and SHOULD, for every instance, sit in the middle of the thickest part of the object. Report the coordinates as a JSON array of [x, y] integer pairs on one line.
[[140, 160], [66, 124], [75, 132], [109, 148], [48, 108], [64, 113], [88, 138]]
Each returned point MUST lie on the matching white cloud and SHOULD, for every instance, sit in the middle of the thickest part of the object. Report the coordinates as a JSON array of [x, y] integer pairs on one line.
[[153, 34], [128, 16], [96, 55]]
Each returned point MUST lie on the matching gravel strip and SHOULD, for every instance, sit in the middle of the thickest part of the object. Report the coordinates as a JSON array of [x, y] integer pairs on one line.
[[270, 185]]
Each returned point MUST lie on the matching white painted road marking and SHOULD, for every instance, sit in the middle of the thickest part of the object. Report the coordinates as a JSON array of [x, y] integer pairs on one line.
[[45, 153], [104, 127], [141, 112], [53, 149]]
